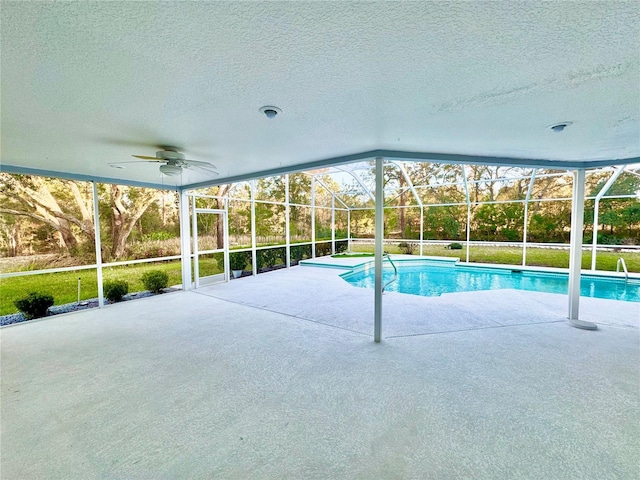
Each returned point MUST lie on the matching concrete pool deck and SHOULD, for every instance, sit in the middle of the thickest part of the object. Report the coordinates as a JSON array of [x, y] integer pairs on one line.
[[233, 381]]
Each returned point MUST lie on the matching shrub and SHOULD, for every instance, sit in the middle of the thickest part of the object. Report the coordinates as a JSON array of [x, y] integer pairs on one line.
[[298, 252], [342, 246], [270, 257], [239, 260], [34, 305], [323, 249], [155, 280], [115, 290], [455, 246], [408, 248]]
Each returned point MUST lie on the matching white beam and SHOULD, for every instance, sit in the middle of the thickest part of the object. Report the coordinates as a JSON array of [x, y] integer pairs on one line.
[[468, 198], [194, 230], [379, 236], [225, 240], [333, 224], [185, 240], [526, 216], [575, 255], [287, 221], [98, 245], [254, 252], [313, 217]]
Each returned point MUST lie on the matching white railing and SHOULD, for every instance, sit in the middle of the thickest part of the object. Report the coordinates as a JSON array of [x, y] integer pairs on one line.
[[624, 267]]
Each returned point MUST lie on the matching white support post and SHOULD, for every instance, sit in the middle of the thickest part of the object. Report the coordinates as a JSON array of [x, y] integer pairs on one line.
[[348, 230], [254, 253], [421, 228], [333, 224], [194, 229], [468, 198], [379, 234], [98, 245], [526, 217], [287, 215], [313, 217], [225, 240], [575, 256], [185, 241]]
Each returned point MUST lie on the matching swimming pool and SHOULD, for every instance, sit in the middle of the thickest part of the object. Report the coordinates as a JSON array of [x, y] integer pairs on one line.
[[429, 278]]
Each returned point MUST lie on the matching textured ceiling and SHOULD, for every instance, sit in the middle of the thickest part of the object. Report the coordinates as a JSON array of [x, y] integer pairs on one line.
[[88, 83]]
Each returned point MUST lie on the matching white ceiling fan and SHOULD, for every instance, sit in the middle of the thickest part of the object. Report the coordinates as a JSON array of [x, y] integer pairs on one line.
[[173, 162]]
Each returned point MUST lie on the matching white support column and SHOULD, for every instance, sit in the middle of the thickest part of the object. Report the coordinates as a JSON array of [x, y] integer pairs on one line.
[[348, 230], [185, 241], [526, 217], [313, 217], [333, 224], [379, 236], [254, 254], [98, 245], [225, 240], [468, 198], [194, 229], [421, 227], [575, 256], [287, 215]]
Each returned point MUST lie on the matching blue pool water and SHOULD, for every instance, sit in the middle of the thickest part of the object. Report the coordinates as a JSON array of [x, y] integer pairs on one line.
[[435, 278]]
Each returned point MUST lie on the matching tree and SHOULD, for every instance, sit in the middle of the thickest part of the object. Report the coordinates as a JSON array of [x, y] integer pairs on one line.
[[40, 199], [127, 204]]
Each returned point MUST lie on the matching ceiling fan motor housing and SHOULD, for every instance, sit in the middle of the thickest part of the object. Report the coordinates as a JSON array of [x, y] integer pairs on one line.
[[169, 155]]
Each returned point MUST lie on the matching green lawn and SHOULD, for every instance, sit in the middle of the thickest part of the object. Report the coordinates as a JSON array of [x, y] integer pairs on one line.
[[544, 257], [64, 286]]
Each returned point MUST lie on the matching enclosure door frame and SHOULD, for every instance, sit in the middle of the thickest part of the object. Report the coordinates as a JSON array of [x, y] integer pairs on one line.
[[196, 250]]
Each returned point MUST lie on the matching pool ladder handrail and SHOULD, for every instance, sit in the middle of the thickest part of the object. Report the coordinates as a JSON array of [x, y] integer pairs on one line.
[[624, 268], [395, 270]]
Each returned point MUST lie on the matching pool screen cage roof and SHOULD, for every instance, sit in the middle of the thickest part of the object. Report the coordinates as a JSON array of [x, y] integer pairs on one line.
[[418, 185], [423, 184]]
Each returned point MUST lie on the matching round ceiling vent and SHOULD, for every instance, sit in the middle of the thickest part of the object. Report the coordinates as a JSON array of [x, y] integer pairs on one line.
[[559, 127], [270, 111]]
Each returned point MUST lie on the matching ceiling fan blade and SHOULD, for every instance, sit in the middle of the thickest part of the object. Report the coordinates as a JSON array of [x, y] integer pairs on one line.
[[144, 157], [128, 162], [205, 170], [201, 164]]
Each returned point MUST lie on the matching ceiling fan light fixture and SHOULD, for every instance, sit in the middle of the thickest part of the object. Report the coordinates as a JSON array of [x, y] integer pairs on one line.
[[170, 170]]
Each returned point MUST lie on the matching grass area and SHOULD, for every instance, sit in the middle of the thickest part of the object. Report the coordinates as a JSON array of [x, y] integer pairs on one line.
[[543, 257], [63, 286], [351, 255]]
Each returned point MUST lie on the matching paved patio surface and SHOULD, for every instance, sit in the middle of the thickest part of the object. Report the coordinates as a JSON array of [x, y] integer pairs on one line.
[[320, 295], [187, 385]]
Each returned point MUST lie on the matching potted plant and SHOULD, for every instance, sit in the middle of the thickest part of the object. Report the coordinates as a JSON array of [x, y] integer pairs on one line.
[[237, 261]]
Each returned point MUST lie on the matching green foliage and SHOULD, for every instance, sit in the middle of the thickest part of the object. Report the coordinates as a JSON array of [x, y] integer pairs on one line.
[[155, 280], [158, 236], [239, 260], [323, 249], [299, 252], [35, 304], [454, 246], [342, 246], [114, 290], [408, 248], [270, 257]]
